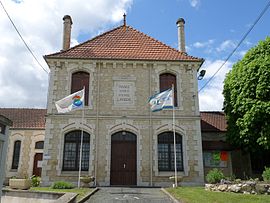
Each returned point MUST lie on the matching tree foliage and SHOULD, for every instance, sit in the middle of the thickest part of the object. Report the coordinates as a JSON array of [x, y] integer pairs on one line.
[[247, 99]]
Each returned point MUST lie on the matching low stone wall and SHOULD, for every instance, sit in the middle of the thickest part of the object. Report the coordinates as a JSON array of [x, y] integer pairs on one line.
[[247, 187]]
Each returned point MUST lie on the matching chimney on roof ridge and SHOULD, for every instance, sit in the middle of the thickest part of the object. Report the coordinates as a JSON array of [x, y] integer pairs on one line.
[[125, 22], [181, 34], [66, 32]]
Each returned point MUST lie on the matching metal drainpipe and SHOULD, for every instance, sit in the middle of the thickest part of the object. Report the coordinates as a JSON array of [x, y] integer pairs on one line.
[[150, 132]]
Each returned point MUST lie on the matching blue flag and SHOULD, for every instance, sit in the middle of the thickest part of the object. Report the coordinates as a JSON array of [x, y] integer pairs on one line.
[[161, 100]]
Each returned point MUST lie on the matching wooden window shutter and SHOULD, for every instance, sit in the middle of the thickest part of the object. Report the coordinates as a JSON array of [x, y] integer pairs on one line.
[[165, 82], [78, 81]]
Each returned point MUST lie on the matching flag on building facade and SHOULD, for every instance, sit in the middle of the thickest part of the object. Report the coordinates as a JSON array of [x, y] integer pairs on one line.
[[161, 100], [71, 102]]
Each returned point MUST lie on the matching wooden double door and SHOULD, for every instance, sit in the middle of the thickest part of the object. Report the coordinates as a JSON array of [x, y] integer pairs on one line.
[[124, 159]]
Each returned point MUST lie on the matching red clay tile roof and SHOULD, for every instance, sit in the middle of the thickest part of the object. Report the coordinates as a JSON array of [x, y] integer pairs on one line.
[[213, 121], [25, 118], [124, 42]]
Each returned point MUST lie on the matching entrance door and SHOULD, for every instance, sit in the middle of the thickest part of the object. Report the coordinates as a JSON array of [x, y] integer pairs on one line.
[[37, 164], [124, 159]]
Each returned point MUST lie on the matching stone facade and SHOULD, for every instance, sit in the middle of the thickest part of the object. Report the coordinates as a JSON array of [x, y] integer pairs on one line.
[[27, 153], [107, 114]]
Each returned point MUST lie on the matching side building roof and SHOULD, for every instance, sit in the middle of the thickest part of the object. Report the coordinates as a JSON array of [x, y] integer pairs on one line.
[[124, 42], [213, 121], [24, 118]]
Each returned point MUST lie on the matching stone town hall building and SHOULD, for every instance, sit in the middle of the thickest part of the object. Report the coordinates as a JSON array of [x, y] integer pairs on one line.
[[124, 142]]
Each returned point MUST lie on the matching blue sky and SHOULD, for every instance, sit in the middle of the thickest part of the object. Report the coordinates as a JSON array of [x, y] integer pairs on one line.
[[213, 29]]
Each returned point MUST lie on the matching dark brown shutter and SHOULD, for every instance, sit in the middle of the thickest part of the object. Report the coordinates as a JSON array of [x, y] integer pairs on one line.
[[165, 82], [78, 81]]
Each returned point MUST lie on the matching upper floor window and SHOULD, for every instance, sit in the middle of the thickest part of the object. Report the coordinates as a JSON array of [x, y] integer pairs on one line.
[[166, 152], [78, 81], [165, 82], [16, 154], [71, 156], [39, 145]]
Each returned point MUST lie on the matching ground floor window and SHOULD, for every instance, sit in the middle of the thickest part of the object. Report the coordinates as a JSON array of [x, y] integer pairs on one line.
[[71, 155], [166, 152], [16, 154]]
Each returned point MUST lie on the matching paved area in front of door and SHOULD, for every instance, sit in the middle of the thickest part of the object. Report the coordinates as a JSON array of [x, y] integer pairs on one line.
[[123, 194]]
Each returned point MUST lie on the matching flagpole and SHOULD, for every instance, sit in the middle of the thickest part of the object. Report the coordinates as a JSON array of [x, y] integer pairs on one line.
[[174, 141], [80, 162]]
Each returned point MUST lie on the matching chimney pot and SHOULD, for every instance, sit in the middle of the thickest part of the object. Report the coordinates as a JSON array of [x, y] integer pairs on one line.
[[66, 32], [181, 34]]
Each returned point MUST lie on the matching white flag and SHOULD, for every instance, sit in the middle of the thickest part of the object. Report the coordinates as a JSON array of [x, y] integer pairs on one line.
[[71, 102], [161, 100]]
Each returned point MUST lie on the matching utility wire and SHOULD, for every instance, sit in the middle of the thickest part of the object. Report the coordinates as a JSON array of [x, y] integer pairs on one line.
[[28, 48], [243, 38]]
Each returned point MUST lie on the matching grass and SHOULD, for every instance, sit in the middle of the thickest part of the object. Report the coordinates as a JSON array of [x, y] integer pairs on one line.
[[200, 195], [81, 192]]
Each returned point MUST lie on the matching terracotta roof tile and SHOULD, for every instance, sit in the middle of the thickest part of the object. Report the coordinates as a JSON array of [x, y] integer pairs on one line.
[[124, 42], [25, 118], [213, 121]]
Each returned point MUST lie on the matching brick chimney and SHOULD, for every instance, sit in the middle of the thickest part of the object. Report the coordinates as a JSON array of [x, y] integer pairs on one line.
[[66, 32], [181, 34]]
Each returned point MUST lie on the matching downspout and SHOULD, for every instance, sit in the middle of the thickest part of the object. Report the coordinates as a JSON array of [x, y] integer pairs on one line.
[[150, 133]]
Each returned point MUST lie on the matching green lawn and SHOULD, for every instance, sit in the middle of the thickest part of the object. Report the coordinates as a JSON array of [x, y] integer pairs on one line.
[[81, 192], [198, 194]]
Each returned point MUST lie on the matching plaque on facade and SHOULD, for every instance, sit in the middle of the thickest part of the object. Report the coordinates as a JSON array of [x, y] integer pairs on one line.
[[124, 93]]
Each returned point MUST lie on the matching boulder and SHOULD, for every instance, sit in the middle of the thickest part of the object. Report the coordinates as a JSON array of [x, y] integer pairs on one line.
[[246, 188], [234, 188], [261, 188], [222, 187]]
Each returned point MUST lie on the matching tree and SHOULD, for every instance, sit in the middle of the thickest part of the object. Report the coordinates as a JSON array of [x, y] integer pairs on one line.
[[247, 99]]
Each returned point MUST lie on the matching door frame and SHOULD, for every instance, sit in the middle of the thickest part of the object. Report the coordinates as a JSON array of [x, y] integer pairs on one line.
[[138, 157]]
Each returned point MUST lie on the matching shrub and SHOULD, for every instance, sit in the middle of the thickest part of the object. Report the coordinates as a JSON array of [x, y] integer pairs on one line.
[[214, 176], [266, 174], [62, 185], [35, 181]]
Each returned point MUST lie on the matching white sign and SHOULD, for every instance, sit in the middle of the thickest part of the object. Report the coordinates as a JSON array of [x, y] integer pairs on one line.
[[39, 164], [124, 93], [46, 157]]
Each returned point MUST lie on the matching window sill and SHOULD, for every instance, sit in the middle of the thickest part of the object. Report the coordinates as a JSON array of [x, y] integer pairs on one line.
[[73, 173]]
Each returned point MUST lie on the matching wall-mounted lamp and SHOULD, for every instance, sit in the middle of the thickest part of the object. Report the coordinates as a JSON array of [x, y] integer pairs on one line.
[[202, 73]]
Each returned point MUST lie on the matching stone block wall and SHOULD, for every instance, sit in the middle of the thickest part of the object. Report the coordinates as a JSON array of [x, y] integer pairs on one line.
[[28, 139], [106, 114]]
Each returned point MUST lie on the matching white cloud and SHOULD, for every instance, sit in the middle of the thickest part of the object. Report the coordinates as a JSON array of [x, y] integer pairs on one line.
[[195, 3], [226, 45], [203, 44], [23, 83], [211, 98]]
